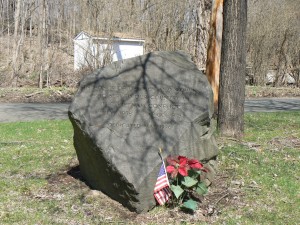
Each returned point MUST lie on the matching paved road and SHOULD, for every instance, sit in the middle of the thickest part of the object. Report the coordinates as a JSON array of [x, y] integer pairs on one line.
[[272, 105], [12, 112]]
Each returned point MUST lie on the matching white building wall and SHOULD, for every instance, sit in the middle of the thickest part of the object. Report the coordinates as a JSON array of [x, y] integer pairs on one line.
[[91, 51], [82, 51], [125, 50]]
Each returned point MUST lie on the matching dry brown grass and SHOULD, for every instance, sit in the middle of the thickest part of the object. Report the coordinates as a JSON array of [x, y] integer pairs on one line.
[[62, 94]]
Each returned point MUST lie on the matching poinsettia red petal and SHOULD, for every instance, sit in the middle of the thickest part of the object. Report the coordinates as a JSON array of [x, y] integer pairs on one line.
[[172, 161], [183, 171], [170, 169], [194, 163], [180, 157], [182, 161]]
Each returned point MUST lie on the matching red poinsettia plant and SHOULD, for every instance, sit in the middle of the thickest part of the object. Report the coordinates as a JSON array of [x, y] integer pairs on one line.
[[185, 181]]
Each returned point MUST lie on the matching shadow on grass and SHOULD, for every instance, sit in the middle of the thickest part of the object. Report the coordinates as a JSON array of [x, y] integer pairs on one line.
[[75, 173], [68, 175]]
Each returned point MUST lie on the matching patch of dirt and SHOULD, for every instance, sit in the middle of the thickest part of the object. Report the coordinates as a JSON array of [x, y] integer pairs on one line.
[[282, 142], [106, 210]]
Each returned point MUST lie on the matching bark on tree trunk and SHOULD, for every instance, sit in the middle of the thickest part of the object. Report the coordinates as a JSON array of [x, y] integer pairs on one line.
[[202, 35], [42, 41], [233, 69], [16, 45], [214, 49]]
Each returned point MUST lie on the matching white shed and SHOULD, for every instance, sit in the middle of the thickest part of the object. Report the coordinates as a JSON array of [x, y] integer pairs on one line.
[[98, 51]]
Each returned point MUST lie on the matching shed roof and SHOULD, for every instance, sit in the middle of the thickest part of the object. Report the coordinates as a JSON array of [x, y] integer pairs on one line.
[[113, 37]]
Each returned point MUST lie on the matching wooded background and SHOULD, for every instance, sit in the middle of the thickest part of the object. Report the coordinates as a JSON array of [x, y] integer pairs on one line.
[[36, 36]]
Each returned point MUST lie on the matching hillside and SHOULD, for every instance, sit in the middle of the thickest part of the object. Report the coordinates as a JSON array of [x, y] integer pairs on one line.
[[37, 39]]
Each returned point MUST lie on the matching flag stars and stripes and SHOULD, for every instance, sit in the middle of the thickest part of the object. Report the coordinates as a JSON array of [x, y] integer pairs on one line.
[[162, 192]]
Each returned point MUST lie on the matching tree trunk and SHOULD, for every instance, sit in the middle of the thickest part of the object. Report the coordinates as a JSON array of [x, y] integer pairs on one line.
[[233, 69], [42, 41], [202, 34], [16, 45], [2, 17], [214, 49]]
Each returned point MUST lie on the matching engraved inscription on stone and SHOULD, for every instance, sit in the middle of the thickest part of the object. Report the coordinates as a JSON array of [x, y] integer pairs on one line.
[[129, 109]]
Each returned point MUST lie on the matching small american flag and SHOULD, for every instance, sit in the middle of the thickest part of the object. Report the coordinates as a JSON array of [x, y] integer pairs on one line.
[[162, 191]]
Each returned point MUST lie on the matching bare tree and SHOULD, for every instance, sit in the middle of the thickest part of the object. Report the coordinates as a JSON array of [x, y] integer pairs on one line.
[[16, 44], [42, 37], [233, 69], [274, 40], [49, 26]]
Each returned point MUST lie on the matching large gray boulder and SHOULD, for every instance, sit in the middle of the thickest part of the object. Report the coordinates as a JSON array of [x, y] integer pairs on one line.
[[123, 113]]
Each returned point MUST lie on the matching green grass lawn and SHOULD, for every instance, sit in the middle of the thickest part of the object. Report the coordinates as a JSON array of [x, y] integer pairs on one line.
[[263, 169], [30, 153], [265, 165]]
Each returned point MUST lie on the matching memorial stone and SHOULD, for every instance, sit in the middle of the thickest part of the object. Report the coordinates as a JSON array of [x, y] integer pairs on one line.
[[124, 112]]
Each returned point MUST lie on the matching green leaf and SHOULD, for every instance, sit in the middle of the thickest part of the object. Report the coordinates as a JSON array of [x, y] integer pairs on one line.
[[201, 188], [189, 182], [190, 205], [194, 173], [177, 190]]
